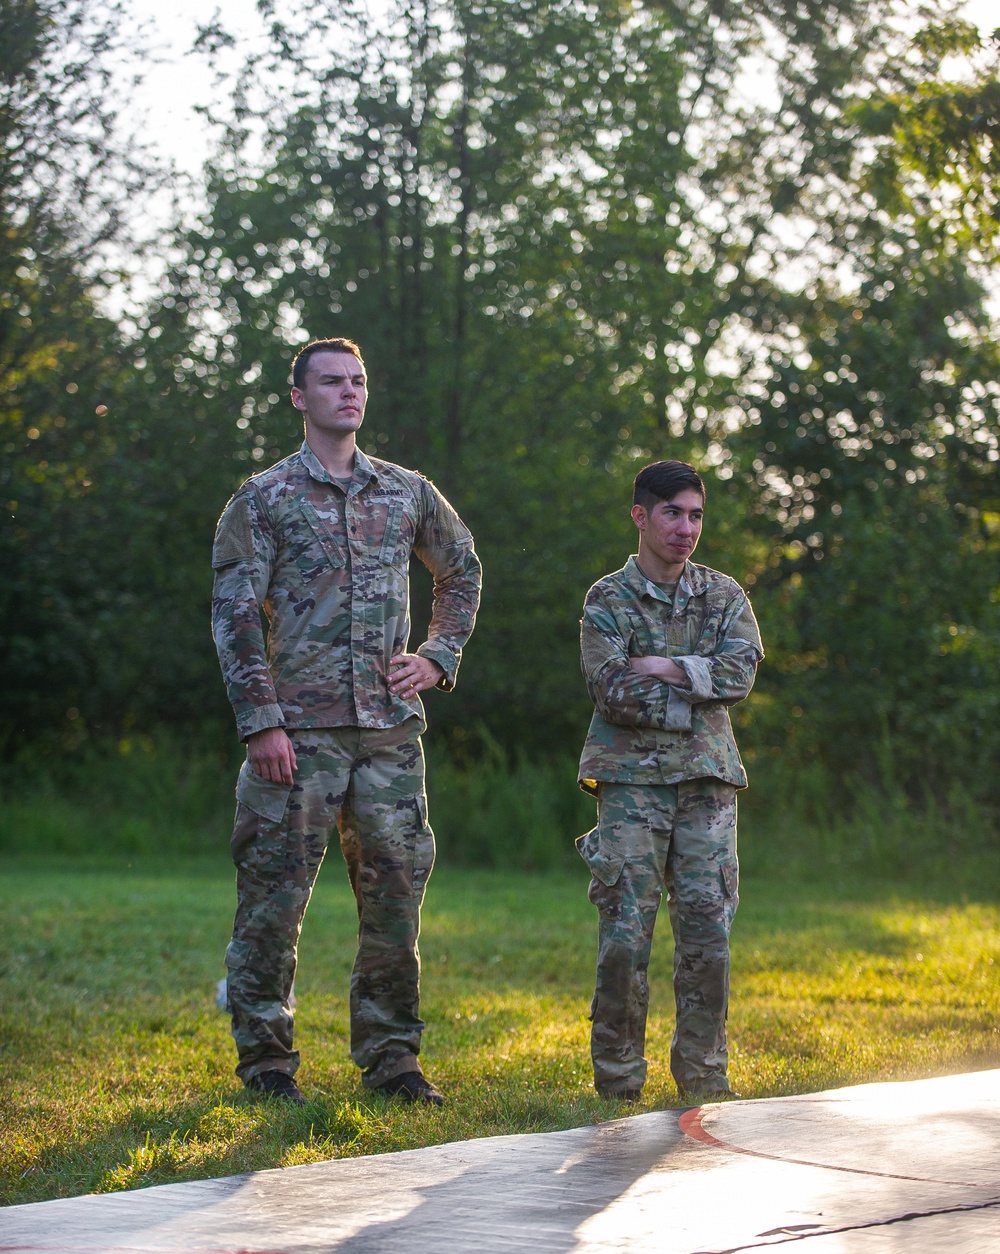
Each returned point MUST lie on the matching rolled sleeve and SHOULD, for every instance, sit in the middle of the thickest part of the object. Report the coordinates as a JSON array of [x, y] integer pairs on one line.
[[699, 675], [728, 674]]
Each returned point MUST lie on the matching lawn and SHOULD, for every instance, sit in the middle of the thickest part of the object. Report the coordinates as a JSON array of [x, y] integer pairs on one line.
[[117, 1067]]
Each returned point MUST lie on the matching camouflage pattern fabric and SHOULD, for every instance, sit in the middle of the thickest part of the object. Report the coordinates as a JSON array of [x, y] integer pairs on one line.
[[331, 571], [369, 785], [681, 837], [645, 731]]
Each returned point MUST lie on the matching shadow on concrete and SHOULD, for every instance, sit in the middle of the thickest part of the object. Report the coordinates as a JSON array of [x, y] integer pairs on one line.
[[561, 1181]]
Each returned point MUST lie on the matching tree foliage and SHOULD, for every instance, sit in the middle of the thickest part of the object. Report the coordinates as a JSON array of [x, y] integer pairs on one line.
[[96, 621], [572, 236]]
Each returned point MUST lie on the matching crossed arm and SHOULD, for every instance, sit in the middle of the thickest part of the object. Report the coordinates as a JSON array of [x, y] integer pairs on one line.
[[659, 691], [663, 668]]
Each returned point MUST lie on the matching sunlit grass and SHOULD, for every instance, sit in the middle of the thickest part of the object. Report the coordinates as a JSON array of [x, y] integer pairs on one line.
[[118, 1068]]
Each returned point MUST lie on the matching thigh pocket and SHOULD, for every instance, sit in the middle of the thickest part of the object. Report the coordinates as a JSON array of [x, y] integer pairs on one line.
[[259, 840], [730, 873], [237, 955], [604, 857], [265, 798], [730, 879], [423, 850]]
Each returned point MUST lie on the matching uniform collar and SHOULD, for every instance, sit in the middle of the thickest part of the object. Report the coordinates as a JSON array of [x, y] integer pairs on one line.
[[692, 583], [364, 471]]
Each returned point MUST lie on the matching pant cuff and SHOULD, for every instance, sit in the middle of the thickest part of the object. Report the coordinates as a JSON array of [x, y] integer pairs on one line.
[[388, 1068], [258, 1068]]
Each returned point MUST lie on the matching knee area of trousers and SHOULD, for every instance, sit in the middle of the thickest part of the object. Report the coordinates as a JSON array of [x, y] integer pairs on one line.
[[704, 921]]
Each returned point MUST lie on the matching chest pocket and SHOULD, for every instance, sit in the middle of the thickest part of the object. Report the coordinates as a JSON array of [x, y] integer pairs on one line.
[[325, 533], [390, 538], [638, 637], [710, 625]]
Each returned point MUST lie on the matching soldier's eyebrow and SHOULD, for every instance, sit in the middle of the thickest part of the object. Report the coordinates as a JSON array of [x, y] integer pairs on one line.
[[326, 377]]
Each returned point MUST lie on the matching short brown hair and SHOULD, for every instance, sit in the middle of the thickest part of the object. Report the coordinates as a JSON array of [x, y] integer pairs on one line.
[[300, 366], [661, 481]]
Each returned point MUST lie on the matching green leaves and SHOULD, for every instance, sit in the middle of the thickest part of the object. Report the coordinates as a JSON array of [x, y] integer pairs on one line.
[[570, 238]]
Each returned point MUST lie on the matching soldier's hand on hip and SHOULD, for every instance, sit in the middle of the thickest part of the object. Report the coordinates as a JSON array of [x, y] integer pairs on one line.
[[410, 673], [272, 756]]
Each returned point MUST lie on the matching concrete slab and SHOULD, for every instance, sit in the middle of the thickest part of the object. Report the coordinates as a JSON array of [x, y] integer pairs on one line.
[[869, 1170]]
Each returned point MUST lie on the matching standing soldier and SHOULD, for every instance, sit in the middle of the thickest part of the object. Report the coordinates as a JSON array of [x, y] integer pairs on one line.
[[330, 713], [668, 646]]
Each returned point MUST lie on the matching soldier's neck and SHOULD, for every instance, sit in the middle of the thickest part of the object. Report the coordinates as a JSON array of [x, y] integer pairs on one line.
[[655, 568], [335, 452]]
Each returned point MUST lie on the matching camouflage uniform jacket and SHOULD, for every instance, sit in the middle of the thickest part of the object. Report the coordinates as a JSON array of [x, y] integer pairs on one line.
[[645, 731], [330, 568]]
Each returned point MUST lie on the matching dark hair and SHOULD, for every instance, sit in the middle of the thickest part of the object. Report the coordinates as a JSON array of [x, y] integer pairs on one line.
[[300, 366], [661, 481]]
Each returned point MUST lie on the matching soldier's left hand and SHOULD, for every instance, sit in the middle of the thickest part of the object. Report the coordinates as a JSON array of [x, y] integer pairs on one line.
[[410, 673]]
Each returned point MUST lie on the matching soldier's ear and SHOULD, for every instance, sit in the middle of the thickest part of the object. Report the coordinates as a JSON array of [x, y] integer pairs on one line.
[[639, 516]]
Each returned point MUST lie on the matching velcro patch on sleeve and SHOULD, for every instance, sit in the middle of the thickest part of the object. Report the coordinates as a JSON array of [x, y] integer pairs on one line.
[[448, 527], [745, 627], [234, 534]]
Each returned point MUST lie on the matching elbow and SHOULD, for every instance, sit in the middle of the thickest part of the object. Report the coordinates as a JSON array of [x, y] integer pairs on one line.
[[738, 689], [604, 707], [620, 714]]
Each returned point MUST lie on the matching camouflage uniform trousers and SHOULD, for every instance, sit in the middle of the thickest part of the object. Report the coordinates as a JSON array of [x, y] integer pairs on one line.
[[681, 837], [370, 786]]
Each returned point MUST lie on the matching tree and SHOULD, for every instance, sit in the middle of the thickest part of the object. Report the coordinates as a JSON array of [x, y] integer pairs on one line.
[[529, 213], [872, 441], [73, 500]]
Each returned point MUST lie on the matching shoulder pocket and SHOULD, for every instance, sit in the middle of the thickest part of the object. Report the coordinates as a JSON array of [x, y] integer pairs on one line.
[[233, 535]]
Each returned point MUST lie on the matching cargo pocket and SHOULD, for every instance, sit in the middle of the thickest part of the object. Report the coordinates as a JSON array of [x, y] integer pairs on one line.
[[237, 955], [265, 798], [423, 849], [259, 842], [730, 874], [604, 858]]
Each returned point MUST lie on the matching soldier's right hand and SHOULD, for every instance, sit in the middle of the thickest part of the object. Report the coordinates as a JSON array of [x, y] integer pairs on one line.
[[272, 756]]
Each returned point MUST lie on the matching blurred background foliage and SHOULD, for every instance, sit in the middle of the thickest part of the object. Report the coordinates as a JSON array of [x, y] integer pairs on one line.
[[571, 237]]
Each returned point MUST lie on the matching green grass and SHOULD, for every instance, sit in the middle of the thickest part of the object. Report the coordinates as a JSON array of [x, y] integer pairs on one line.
[[154, 796], [117, 1068]]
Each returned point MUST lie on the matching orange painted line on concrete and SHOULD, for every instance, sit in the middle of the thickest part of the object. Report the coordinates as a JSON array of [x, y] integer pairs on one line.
[[690, 1123]]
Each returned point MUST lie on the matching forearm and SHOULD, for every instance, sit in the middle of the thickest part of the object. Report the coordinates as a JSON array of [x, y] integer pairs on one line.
[[457, 584], [624, 696], [665, 669], [727, 676]]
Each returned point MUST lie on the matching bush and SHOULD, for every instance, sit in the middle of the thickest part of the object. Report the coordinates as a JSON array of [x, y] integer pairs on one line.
[[161, 797]]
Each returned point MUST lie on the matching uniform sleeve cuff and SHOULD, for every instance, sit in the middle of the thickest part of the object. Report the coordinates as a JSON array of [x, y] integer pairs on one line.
[[700, 676], [445, 658], [260, 718]]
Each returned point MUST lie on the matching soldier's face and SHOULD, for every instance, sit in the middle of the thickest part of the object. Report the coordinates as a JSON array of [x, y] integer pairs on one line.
[[335, 394], [669, 531]]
